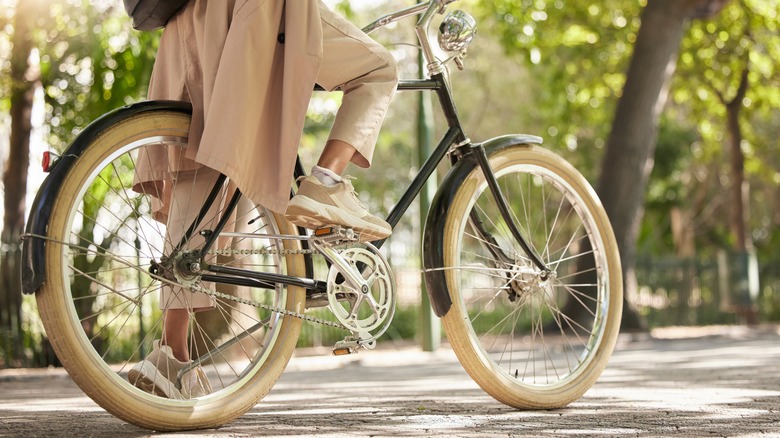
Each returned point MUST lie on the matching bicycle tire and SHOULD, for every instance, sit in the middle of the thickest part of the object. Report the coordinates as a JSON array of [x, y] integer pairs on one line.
[[97, 303], [527, 342]]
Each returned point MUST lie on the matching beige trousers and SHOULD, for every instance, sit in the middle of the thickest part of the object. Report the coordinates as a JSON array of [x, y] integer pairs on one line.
[[367, 74], [352, 62], [190, 189]]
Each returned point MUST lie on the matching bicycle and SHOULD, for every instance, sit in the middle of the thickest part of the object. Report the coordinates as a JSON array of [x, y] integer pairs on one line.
[[519, 258]]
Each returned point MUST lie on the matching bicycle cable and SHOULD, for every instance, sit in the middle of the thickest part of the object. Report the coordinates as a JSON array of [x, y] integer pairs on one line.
[[197, 288]]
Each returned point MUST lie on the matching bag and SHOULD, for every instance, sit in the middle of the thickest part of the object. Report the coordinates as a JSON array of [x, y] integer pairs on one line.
[[152, 14]]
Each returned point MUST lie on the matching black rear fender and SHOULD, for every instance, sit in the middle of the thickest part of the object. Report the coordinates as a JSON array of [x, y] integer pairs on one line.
[[33, 266]]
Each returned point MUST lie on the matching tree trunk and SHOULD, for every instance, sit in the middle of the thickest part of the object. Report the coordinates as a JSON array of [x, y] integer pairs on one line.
[[683, 232], [739, 189], [739, 193], [15, 181], [628, 158]]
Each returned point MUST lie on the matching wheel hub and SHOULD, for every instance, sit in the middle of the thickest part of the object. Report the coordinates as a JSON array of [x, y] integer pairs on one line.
[[527, 280]]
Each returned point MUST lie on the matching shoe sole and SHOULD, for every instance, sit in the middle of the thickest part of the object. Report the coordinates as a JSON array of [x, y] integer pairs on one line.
[[311, 214]]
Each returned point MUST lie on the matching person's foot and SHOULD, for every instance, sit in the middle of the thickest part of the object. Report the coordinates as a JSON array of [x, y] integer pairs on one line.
[[157, 374], [317, 205]]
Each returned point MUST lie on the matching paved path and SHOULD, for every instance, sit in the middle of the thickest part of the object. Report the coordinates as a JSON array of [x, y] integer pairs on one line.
[[712, 382]]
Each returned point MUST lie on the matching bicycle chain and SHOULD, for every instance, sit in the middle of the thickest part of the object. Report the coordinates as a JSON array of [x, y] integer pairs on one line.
[[231, 297], [259, 251], [267, 307], [261, 305]]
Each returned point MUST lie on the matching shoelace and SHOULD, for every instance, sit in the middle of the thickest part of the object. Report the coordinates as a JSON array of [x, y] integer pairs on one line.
[[347, 180]]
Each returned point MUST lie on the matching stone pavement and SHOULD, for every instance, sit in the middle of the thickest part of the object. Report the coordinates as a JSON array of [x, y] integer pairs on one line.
[[717, 381]]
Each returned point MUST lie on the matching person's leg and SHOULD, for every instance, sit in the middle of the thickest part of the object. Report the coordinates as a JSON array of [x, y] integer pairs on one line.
[[175, 333], [158, 372], [368, 76], [336, 155], [191, 188]]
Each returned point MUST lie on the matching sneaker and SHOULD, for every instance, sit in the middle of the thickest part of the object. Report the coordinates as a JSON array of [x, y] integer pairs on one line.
[[157, 374], [317, 205]]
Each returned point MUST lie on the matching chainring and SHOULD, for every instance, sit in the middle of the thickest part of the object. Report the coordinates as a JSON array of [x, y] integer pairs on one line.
[[365, 309]]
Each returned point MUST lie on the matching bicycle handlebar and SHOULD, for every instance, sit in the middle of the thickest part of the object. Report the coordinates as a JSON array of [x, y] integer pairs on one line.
[[428, 9]]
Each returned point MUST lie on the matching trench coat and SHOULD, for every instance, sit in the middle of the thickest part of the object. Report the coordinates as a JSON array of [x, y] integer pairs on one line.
[[249, 87]]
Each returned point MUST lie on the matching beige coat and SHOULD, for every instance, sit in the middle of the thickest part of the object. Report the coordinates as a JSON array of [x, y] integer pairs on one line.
[[249, 92]]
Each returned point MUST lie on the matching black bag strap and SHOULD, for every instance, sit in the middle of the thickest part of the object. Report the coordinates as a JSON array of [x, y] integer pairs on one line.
[[280, 37], [152, 14]]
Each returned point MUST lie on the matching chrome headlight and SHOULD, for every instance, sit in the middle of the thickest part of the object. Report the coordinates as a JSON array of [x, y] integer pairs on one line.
[[456, 31]]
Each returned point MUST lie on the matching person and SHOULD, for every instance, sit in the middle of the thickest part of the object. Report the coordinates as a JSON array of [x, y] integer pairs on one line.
[[249, 67]]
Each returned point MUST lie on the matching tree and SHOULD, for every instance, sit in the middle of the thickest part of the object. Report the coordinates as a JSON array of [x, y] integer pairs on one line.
[[576, 54], [580, 49], [628, 159], [729, 71], [20, 89], [86, 63]]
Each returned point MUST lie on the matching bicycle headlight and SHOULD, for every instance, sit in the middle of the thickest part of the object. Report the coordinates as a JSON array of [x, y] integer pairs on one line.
[[456, 31]]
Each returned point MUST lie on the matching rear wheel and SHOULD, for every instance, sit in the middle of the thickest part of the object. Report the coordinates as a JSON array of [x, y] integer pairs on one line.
[[528, 339], [100, 303]]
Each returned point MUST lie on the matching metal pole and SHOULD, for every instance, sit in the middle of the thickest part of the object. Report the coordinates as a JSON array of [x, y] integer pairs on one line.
[[429, 324]]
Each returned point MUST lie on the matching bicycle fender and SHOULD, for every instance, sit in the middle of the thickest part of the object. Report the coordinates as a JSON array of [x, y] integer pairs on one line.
[[33, 268], [433, 250]]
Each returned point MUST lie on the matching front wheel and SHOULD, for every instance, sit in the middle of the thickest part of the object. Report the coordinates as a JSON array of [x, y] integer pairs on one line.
[[531, 339], [100, 303]]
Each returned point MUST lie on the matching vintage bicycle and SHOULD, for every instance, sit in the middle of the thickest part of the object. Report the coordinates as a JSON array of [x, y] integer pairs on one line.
[[519, 258]]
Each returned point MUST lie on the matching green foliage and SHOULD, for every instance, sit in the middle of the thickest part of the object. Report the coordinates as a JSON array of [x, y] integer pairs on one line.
[[577, 54], [87, 60], [714, 54], [671, 184], [91, 62], [769, 299]]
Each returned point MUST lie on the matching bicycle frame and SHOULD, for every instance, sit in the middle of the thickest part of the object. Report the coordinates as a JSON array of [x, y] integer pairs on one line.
[[454, 141]]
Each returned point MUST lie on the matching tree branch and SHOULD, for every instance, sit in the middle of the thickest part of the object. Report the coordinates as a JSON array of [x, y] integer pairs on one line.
[[707, 8]]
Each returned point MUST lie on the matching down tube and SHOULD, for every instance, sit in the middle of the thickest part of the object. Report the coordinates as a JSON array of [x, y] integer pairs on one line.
[[417, 184]]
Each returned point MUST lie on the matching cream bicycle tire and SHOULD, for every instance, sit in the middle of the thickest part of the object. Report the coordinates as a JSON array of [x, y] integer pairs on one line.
[[527, 371], [64, 320]]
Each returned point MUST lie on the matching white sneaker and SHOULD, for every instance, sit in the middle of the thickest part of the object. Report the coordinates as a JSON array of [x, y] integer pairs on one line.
[[158, 374], [317, 205]]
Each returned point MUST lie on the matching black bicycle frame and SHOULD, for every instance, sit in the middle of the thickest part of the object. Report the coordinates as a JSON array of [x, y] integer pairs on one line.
[[454, 136]]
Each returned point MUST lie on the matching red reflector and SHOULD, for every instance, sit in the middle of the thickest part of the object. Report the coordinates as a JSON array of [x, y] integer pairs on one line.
[[46, 162]]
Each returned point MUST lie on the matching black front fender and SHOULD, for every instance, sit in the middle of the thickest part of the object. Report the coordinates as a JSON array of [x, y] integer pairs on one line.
[[433, 251], [33, 269]]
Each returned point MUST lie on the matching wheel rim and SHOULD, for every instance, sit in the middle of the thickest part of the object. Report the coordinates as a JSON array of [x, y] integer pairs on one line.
[[118, 313], [510, 309]]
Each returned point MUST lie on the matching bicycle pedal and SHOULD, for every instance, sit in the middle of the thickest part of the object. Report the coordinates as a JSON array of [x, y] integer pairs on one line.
[[343, 351], [345, 347], [334, 235]]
